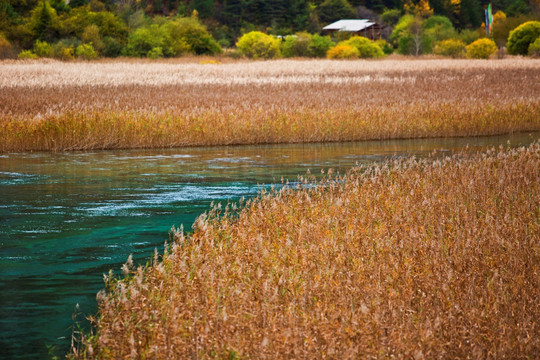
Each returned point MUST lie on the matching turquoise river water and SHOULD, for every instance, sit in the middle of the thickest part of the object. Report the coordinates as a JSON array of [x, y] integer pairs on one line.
[[67, 218]]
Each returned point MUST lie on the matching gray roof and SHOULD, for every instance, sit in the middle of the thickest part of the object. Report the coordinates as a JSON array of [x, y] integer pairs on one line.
[[350, 25]]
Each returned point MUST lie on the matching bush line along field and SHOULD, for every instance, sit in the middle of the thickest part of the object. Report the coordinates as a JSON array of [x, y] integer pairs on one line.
[[433, 258], [56, 106]]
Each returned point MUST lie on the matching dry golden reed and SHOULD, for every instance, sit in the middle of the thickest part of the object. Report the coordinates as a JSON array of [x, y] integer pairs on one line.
[[57, 106], [436, 258]]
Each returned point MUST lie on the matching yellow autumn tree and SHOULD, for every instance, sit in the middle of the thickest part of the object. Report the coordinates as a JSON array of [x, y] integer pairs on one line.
[[422, 8], [499, 16]]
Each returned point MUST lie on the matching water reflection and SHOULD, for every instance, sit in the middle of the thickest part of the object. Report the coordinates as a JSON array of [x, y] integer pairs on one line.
[[66, 218]]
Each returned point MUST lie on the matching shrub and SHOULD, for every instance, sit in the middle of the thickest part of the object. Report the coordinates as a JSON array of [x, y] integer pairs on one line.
[[111, 47], [191, 32], [233, 54], [65, 48], [86, 52], [146, 38], [366, 48], [174, 37], [257, 45], [370, 50], [534, 48], [27, 54], [502, 28], [405, 44], [224, 43], [385, 46], [521, 37], [319, 45], [343, 52], [468, 36], [155, 53], [43, 49], [296, 45], [481, 49], [451, 47], [66, 53]]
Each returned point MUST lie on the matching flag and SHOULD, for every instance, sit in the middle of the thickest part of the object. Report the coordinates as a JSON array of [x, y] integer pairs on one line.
[[489, 19]]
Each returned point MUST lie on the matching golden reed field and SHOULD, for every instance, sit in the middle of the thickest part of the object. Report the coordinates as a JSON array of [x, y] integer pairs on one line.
[[416, 259], [50, 105]]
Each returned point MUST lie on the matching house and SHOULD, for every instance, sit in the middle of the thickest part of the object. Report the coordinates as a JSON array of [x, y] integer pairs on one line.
[[362, 27]]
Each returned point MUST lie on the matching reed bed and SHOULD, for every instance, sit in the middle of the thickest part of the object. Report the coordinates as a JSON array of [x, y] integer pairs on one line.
[[434, 258], [56, 106]]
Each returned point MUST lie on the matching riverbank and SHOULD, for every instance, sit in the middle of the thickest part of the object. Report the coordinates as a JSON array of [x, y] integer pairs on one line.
[[412, 258], [55, 106]]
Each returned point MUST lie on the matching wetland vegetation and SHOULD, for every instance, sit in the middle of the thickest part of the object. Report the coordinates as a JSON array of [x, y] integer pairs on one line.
[[56, 106], [410, 258]]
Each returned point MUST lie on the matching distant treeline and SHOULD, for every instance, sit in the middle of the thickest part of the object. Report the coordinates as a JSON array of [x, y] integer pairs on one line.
[[156, 28]]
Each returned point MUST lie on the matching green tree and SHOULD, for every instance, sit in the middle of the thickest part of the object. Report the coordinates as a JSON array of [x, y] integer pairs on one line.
[[233, 14], [401, 29], [78, 3], [205, 8], [443, 7], [436, 28], [297, 14], [518, 7], [413, 40], [44, 22], [391, 17], [470, 13], [8, 16], [95, 24], [333, 10]]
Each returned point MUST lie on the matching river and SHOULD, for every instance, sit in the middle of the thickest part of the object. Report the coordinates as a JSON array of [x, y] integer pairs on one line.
[[67, 218]]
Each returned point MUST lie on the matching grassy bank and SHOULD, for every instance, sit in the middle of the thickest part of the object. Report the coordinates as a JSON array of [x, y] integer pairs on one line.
[[423, 259], [140, 104]]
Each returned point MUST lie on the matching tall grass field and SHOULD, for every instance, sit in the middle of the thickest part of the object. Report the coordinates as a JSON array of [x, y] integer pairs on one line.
[[57, 106], [416, 259]]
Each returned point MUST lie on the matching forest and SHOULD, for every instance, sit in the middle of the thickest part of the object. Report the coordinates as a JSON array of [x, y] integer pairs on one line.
[[165, 28]]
